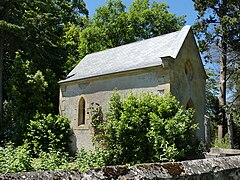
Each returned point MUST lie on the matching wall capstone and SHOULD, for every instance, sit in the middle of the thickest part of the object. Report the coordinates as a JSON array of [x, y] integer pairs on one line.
[[213, 168]]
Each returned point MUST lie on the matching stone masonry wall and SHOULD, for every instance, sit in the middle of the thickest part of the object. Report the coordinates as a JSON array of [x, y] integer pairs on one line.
[[100, 91], [213, 168]]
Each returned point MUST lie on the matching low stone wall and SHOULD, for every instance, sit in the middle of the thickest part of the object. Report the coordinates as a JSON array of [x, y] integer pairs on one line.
[[213, 168], [219, 152]]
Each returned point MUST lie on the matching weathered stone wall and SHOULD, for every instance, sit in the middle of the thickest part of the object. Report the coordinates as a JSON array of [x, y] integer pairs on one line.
[[172, 76], [190, 89], [99, 91], [213, 168]]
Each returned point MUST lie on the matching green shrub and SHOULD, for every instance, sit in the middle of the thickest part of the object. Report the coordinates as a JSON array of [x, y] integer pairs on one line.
[[149, 128], [88, 159], [61, 161], [18, 159], [47, 133], [221, 143], [51, 161], [14, 159]]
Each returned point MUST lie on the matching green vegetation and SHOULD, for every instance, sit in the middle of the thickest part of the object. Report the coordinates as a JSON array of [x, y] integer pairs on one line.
[[14, 159], [18, 159], [46, 148], [48, 133], [217, 30], [223, 143], [41, 41], [148, 128], [113, 26], [236, 128], [33, 57]]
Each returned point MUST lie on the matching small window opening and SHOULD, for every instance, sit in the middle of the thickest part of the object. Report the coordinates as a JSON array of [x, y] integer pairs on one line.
[[161, 92], [189, 70], [190, 104], [81, 118]]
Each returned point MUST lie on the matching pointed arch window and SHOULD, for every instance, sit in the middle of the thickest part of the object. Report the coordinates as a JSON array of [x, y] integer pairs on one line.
[[189, 70], [190, 104], [81, 114]]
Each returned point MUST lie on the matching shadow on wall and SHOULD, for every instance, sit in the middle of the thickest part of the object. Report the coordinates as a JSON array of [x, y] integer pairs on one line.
[[73, 143]]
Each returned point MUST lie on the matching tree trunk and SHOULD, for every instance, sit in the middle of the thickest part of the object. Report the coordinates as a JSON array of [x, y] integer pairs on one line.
[[230, 130], [207, 131], [1, 76], [222, 92]]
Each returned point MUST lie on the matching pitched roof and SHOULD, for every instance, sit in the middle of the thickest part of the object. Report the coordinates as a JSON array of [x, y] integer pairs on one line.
[[137, 55]]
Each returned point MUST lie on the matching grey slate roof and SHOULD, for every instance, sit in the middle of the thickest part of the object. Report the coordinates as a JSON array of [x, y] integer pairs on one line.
[[137, 55]]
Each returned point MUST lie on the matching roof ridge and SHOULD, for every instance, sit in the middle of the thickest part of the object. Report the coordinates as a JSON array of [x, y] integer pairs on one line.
[[180, 38], [135, 55], [135, 42]]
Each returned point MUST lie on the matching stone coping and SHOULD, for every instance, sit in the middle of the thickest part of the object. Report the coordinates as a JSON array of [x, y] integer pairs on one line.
[[225, 151], [214, 168]]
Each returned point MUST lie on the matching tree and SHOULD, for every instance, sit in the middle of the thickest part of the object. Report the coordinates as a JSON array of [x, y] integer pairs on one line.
[[234, 84], [218, 25], [149, 128], [212, 109], [8, 29], [113, 26], [108, 28], [34, 44], [151, 18]]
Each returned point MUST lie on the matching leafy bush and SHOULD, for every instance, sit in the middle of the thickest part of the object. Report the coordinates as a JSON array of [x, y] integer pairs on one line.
[[89, 159], [147, 129], [221, 143], [62, 161], [51, 161], [18, 159], [14, 159], [48, 133], [96, 116]]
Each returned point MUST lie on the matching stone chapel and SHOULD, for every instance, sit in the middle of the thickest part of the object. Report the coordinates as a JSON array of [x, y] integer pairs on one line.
[[169, 62]]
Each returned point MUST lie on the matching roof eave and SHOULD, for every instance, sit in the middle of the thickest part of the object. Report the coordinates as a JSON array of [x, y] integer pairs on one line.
[[110, 75]]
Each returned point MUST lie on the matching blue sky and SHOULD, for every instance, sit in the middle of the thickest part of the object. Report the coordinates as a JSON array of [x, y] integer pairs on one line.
[[178, 7]]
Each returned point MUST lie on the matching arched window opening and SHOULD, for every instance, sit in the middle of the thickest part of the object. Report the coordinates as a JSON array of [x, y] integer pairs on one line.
[[190, 104], [81, 118], [189, 70]]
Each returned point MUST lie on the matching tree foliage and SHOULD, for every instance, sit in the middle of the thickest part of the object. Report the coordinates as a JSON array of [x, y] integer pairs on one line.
[[41, 41], [113, 26], [217, 20], [146, 129], [47, 133], [212, 105], [218, 26], [34, 55]]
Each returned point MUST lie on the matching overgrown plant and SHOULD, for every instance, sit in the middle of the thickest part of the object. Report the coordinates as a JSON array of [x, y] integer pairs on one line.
[[96, 115], [14, 159], [89, 159], [53, 160], [148, 128], [221, 143], [18, 159], [47, 133]]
